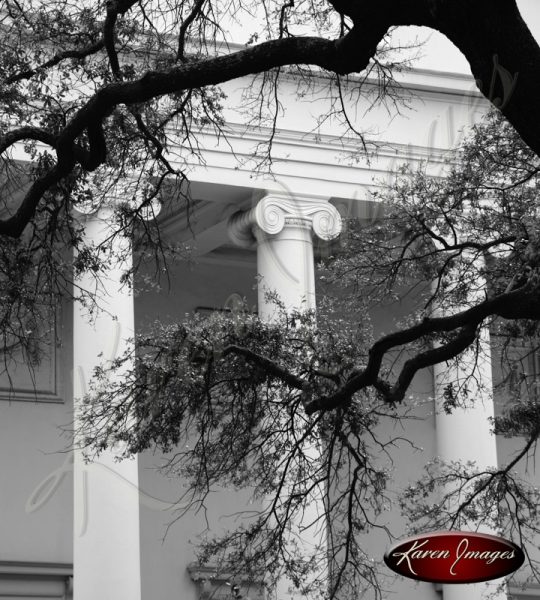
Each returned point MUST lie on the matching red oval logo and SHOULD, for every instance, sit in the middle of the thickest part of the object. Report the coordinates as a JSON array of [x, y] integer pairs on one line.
[[454, 557]]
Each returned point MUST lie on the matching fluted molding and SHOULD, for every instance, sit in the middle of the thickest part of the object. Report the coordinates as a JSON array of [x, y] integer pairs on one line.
[[273, 213]]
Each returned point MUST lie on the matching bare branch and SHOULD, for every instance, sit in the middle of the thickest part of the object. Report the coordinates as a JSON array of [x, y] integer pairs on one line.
[[56, 60], [153, 84], [520, 303], [195, 11], [114, 8]]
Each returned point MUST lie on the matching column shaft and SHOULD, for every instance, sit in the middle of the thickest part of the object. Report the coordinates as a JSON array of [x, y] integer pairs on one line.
[[106, 500], [285, 265], [283, 228], [465, 435]]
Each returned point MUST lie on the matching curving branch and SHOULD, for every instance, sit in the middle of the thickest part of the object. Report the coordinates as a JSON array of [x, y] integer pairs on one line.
[[211, 71], [196, 10], [27, 133], [464, 338], [17, 222], [269, 365], [493, 476], [56, 60], [115, 8], [485, 31], [523, 303]]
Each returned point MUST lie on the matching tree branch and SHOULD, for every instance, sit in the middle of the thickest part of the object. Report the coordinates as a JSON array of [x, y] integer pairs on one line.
[[185, 26], [269, 365], [461, 342], [27, 133], [485, 31], [114, 8], [55, 60], [523, 303], [211, 71]]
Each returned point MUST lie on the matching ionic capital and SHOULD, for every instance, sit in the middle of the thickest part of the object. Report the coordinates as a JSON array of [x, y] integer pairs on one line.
[[275, 212]]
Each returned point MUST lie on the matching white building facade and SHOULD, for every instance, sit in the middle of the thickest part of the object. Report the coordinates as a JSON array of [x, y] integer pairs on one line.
[[101, 530]]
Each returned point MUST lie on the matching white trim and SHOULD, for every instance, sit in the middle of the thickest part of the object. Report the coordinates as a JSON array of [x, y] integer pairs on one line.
[[39, 580], [516, 592]]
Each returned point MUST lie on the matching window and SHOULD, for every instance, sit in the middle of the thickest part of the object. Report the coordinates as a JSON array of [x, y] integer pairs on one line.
[[530, 592], [35, 581], [40, 371]]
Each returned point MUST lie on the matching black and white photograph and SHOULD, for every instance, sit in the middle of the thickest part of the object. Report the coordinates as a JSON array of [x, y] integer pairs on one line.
[[269, 300]]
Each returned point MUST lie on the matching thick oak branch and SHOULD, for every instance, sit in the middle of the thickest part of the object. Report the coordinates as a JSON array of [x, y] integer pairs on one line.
[[212, 71], [523, 303], [500, 48]]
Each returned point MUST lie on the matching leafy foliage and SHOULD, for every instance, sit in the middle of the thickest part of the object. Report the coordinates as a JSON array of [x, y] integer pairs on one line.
[[92, 94], [290, 410], [201, 391]]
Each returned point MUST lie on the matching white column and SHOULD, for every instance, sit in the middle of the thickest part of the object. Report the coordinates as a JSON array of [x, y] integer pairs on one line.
[[283, 229], [465, 435], [106, 500]]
